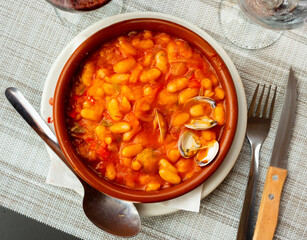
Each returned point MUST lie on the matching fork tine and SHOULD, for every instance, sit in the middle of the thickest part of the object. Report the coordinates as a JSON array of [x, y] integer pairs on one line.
[[259, 103], [272, 104], [252, 106], [266, 103]]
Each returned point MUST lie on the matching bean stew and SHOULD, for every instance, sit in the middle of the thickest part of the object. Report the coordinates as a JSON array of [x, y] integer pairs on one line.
[[129, 103]]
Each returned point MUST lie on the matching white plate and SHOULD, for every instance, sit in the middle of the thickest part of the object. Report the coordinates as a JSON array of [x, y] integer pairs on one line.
[[152, 209]]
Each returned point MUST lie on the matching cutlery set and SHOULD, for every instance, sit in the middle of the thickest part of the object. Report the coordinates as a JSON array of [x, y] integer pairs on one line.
[[258, 126], [257, 131], [154, 108]]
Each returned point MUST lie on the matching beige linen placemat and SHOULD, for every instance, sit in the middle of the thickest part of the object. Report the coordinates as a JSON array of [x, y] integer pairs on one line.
[[32, 37]]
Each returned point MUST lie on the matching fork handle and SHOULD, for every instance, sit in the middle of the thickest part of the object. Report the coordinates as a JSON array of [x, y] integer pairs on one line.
[[245, 230], [269, 206]]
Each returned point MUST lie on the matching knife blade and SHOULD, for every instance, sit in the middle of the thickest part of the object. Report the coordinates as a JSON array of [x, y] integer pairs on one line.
[[277, 172], [282, 139]]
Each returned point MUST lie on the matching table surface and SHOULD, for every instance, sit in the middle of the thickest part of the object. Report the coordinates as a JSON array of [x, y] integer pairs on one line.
[[32, 36], [19, 227]]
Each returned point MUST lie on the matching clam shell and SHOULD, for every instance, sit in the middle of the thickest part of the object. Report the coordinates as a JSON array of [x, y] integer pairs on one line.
[[160, 122], [201, 123], [188, 144], [201, 99], [210, 153]]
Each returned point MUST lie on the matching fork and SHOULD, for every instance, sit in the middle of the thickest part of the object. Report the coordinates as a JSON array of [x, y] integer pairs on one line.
[[257, 131]]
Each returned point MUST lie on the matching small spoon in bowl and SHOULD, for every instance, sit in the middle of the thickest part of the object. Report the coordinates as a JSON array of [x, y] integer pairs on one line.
[[112, 215]]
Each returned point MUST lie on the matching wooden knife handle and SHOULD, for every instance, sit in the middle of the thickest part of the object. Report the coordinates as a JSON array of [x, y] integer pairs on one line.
[[269, 206]]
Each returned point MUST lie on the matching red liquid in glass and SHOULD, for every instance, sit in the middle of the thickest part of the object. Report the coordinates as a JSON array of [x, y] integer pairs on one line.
[[78, 5]]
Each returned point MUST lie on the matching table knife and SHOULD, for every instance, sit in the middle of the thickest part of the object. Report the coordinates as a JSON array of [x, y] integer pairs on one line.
[[277, 171]]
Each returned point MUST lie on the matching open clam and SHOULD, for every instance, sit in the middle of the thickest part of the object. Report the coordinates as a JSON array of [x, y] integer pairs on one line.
[[189, 145], [206, 155], [204, 122], [203, 99]]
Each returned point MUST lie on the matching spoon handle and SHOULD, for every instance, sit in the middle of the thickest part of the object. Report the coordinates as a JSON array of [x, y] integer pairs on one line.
[[109, 214], [25, 109]]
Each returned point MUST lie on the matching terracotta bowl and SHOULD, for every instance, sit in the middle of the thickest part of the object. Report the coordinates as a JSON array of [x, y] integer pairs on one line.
[[95, 41]]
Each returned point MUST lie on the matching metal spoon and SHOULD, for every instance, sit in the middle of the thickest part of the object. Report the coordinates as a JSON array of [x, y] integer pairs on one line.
[[112, 215]]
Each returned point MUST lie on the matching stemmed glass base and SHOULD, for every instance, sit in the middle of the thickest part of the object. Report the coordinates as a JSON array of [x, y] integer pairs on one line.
[[77, 21], [241, 31]]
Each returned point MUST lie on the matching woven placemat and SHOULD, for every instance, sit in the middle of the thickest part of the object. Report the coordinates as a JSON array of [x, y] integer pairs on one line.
[[32, 37]]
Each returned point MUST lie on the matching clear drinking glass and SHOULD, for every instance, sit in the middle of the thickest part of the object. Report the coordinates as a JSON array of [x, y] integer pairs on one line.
[[254, 24], [79, 14]]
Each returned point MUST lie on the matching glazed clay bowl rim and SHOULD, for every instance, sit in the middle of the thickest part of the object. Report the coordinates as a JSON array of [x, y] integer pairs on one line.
[[92, 43]]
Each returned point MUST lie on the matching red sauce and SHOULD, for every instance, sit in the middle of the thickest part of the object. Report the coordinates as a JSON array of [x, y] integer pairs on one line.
[[51, 101], [49, 120], [113, 103]]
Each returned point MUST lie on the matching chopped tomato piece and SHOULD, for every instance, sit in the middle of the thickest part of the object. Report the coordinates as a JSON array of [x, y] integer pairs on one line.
[[108, 117], [194, 84], [103, 152], [132, 119], [72, 114], [50, 120], [51, 101]]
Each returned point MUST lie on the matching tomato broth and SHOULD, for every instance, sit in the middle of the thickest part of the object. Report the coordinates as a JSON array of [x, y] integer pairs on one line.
[[128, 105]]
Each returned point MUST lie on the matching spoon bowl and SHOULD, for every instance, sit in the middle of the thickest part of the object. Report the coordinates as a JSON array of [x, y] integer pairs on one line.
[[116, 216], [112, 215]]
